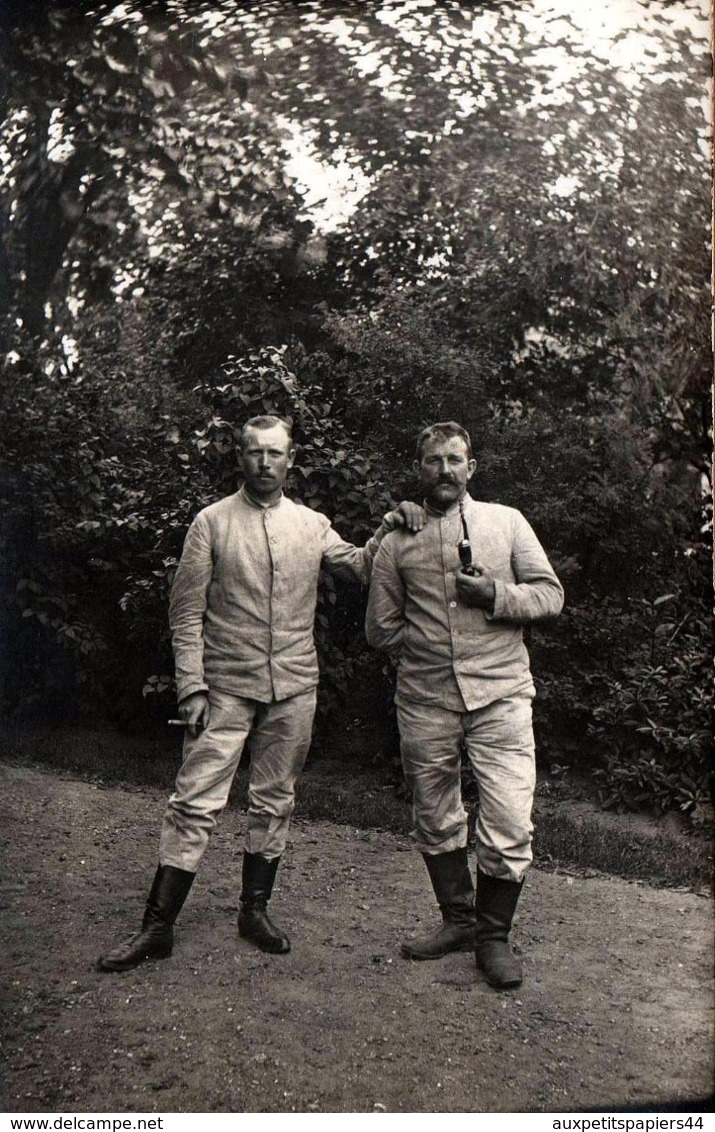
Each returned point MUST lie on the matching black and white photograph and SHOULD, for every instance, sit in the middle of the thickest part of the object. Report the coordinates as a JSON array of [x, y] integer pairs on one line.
[[356, 747]]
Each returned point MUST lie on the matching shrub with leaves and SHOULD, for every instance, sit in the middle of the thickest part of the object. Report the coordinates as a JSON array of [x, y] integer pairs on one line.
[[652, 724]]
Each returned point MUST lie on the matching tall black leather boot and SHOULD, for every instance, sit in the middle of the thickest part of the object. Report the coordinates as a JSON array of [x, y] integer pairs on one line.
[[156, 938], [254, 923], [496, 904], [454, 889]]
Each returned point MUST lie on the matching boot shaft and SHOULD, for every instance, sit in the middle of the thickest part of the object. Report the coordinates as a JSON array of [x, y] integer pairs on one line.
[[496, 902], [257, 879], [258, 876], [495, 906], [167, 894], [452, 884]]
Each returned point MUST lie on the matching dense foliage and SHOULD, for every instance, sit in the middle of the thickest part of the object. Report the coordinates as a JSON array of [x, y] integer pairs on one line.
[[524, 253]]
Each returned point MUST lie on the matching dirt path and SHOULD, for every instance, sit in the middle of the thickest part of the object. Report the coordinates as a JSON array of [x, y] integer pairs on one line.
[[616, 1010]]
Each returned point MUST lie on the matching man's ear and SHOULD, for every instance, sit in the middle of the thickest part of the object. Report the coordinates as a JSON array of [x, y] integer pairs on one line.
[[291, 457], [416, 467], [472, 467]]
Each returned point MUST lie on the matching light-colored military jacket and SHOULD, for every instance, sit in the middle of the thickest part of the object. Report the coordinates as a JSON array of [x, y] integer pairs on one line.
[[243, 599], [447, 652]]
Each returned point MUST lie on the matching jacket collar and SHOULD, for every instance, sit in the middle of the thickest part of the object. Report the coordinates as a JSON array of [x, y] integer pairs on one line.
[[248, 498], [453, 510]]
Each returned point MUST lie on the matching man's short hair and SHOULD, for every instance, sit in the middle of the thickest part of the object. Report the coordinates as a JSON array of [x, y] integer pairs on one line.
[[443, 430], [267, 421]]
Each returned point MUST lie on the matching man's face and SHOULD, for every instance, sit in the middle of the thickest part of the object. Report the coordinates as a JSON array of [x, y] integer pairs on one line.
[[444, 469], [265, 457]]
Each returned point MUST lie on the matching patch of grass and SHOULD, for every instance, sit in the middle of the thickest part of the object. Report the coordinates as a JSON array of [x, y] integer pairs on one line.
[[356, 798], [98, 755], [598, 842]]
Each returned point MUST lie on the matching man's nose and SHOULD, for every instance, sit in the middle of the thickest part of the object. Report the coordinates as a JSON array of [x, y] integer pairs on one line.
[[264, 460]]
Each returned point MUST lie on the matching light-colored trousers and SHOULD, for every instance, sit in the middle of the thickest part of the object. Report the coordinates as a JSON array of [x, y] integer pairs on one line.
[[280, 737], [499, 742]]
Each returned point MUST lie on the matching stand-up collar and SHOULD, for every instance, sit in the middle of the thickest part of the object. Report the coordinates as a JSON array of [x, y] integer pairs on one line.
[[248, 498], [451, 510]]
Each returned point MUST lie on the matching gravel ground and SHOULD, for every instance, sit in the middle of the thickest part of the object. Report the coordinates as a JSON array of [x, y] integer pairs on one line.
[[616, 1010]]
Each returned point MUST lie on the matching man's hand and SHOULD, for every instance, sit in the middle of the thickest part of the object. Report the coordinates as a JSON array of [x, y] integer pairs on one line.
[[406, 514], [476, 590], [196, 711]]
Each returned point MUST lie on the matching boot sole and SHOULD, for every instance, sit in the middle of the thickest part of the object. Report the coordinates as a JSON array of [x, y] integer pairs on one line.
[[511, 985], [407, 953], [267, 949], [267, 946], [107, 967]]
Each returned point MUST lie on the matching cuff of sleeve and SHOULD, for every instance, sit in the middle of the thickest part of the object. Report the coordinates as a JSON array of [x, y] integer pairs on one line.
[[187, 690], [374, 543], [499, 610]]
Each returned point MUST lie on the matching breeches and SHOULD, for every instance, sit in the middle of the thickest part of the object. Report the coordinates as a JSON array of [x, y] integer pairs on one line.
[[499, 742], [280, 738]]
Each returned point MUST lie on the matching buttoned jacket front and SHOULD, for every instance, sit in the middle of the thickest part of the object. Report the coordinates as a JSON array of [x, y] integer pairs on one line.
[[242, 605], [447, 652]]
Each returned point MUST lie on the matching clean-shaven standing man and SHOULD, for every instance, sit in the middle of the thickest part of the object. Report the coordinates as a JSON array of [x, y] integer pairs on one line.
[[449, 605], [242, 613]]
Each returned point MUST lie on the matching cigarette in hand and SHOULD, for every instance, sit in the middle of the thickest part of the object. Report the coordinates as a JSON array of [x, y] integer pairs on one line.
[[177, 722]]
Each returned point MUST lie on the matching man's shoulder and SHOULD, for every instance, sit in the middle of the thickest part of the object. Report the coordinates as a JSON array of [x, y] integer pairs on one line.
[[218, 508], [300, 512], [493, 512], [205, 514], [396, 542]]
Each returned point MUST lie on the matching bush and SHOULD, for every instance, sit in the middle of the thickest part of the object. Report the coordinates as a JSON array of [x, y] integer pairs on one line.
[[652, 724]]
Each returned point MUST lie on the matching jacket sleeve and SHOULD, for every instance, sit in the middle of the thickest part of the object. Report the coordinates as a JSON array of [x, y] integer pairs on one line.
[[385, 620], [187, 608], [346, 560], [537, 593]]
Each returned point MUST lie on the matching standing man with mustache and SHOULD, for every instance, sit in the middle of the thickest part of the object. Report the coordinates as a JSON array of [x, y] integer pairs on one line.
[[242, 611], [449, 606]]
